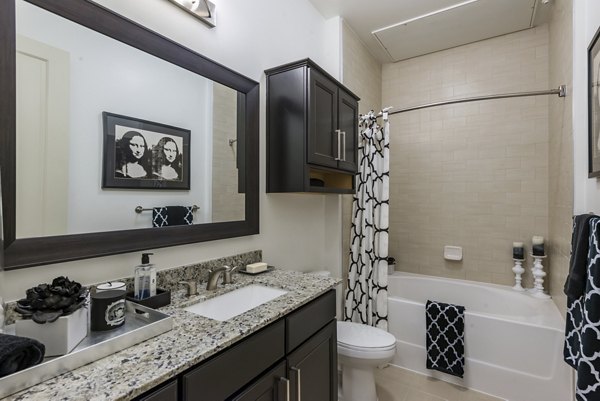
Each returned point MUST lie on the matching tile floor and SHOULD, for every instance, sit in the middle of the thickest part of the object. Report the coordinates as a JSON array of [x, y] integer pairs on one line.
[[396, 384]]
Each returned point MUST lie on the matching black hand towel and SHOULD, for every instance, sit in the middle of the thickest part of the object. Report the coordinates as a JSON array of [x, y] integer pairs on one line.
[[172, 216], [18, 353], [445, 337], [582, 344], [575, 283]]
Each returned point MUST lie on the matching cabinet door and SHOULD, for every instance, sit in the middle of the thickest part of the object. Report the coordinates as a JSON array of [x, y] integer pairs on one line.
[[348, 125], [312, 368], [323, 143], [272, 386]]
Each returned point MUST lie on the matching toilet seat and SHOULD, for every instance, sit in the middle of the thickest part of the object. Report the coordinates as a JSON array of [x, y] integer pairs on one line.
[[365, 342], [360, 336], [366, 349], [366, 355]]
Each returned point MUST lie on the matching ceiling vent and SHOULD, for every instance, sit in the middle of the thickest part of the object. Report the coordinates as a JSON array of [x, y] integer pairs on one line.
[[465, 22]]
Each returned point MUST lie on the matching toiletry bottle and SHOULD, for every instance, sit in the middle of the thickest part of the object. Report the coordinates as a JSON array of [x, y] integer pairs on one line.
[[143, 278], [152, 276]]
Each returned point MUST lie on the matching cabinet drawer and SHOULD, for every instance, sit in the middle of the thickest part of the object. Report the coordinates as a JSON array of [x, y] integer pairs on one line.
[[302, 324], [226, 373], [167, 392]]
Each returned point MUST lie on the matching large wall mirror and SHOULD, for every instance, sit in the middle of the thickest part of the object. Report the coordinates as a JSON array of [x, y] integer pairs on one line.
[[116, 139]]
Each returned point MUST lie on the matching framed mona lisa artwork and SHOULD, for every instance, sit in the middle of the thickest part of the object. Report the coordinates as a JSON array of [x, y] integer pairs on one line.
[[594, 106], [140, 154]]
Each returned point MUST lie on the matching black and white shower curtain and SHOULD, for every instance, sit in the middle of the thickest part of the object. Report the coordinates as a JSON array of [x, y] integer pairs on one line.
[[366, 296]]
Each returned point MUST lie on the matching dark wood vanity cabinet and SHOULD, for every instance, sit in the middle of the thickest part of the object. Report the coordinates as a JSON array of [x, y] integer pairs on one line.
[[312, 130], [292, 359]]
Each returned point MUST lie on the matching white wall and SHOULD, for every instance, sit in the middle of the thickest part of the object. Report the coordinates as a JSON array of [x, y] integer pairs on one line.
[[298, 232], [586, 20]]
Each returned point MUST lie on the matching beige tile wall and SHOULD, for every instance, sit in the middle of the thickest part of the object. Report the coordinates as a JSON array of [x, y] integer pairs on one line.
[[362, 75], [227, 203], [473, 175], [560, 149]]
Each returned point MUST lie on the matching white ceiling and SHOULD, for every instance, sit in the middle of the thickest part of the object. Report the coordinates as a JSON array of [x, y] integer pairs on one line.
[[396, 30]]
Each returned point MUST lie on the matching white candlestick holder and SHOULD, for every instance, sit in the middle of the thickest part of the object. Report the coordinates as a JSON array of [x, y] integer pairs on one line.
[[538, 275], [518, 270]]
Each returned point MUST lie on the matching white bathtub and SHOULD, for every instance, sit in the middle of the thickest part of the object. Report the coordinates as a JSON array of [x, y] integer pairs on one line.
[[513, 342]]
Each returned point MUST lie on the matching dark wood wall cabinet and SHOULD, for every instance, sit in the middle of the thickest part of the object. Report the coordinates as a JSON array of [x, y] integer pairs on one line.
[[292, 359], [312, 130]]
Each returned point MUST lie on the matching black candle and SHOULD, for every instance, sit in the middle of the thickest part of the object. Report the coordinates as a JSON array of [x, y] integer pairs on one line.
[[518, 251], [107, 310], [537, 246]]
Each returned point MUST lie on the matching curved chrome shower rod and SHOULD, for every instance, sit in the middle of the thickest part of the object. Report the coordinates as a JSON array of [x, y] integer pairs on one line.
[[561, 92]]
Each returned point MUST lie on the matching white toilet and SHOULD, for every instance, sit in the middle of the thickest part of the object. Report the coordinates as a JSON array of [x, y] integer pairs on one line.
[[361, 349]]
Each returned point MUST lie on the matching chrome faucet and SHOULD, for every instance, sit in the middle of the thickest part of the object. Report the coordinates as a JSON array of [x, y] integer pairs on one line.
[[213, 277], [192, 287], [228, 274]]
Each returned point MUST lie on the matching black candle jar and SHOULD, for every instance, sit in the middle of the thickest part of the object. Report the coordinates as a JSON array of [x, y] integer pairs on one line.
[[518, 253], [107, 310], [538, 250]]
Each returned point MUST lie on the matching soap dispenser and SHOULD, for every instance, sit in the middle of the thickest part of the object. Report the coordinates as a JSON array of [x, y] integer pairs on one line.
[[145, 278]]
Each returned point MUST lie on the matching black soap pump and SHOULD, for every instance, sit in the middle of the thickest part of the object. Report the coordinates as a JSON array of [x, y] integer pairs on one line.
[[145, 278]]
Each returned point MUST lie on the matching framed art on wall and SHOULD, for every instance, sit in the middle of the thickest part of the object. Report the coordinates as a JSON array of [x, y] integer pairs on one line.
[[140, 154], [594, 106]]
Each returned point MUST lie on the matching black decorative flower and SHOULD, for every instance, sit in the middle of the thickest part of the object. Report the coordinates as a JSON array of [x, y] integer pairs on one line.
[[48, 302]]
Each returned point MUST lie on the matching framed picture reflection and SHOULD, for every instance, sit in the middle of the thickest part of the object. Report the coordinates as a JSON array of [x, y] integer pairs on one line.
[[140, 154]]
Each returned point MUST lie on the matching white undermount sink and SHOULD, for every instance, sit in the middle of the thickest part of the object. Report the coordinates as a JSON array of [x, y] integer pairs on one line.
[[236, 302]]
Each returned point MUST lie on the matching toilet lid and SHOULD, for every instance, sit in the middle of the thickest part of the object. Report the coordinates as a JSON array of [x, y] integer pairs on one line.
[[363, 336]]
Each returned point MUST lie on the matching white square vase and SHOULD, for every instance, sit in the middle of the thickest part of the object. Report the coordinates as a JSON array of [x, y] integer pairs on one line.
[[59, 337]]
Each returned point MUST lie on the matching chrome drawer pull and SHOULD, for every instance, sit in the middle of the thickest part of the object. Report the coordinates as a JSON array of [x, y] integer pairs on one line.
[[287, 388], [298, 389], [339, 150]]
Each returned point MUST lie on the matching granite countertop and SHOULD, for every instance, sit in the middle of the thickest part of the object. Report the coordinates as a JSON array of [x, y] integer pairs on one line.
[[135, 370]]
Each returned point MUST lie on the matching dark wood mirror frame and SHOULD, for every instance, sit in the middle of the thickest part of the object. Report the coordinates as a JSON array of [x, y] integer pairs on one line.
[[20, 253]]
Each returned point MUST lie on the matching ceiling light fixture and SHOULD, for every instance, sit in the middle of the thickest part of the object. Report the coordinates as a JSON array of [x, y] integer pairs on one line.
[[204, 10]]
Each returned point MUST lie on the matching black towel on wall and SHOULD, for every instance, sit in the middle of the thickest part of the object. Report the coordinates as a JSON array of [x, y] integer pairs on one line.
[[18, 353], [172, 216], [575, 283], [582, 344], [445, 337]]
